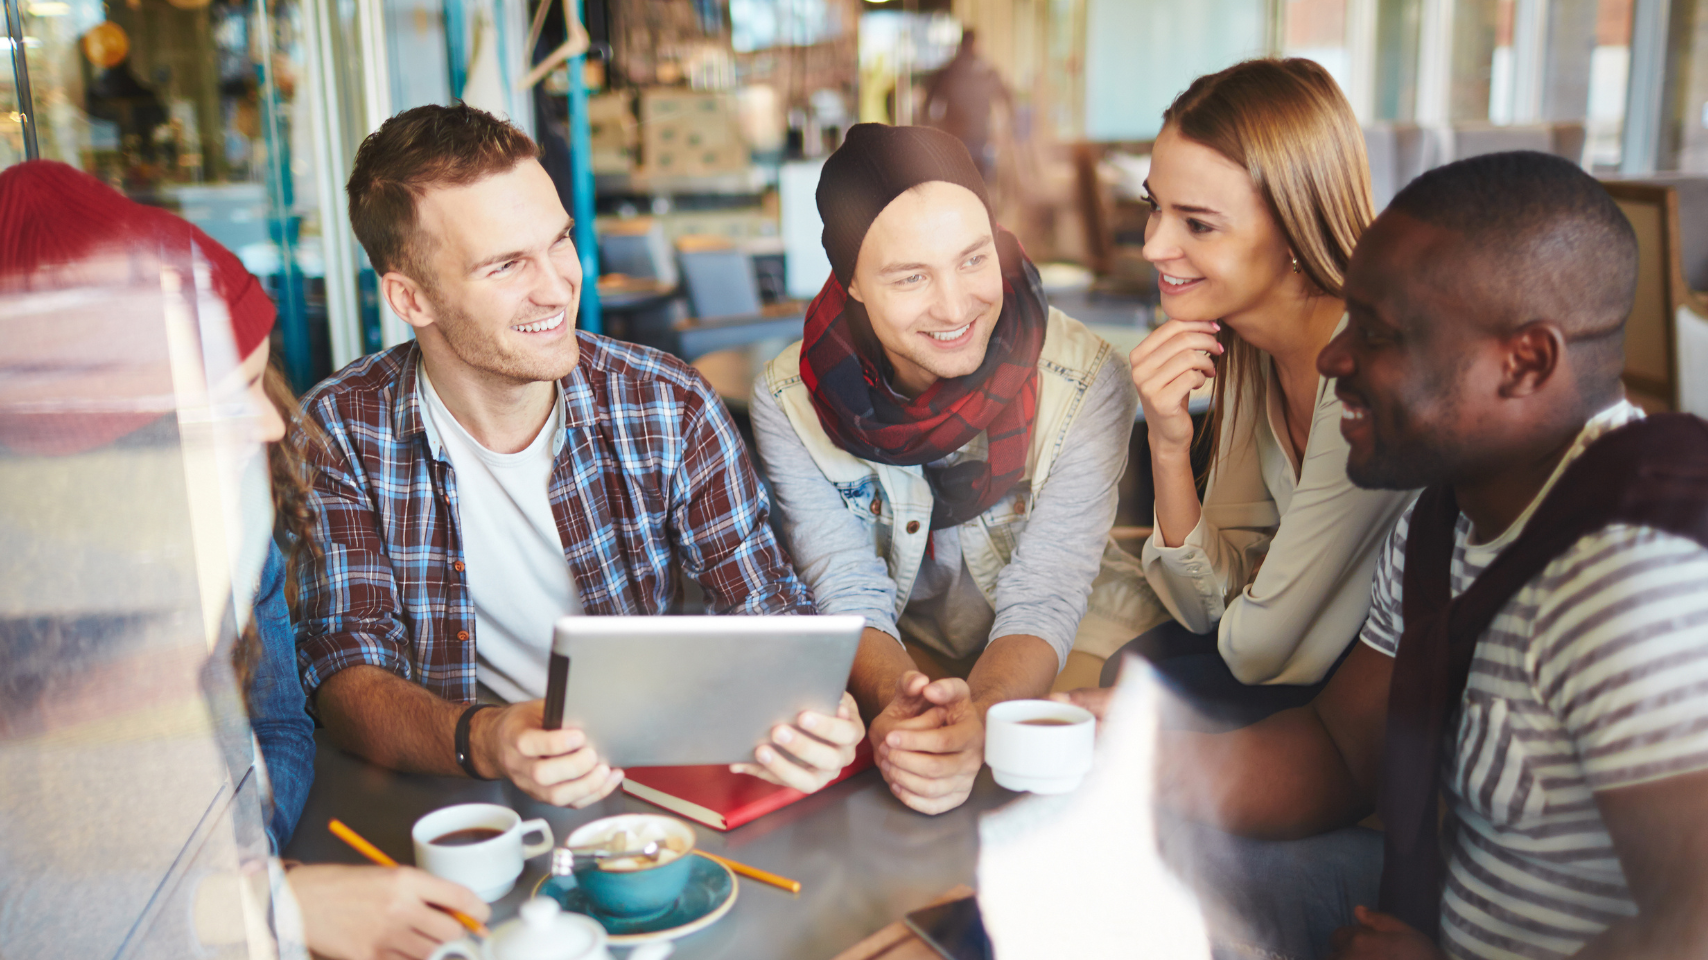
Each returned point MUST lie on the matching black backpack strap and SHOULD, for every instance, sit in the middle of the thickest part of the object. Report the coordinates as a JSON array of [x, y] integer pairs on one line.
[[1418, 701]]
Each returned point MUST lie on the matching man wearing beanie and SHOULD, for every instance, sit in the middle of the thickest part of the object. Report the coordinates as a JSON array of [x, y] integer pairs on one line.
[[945, 448], [503, 470]]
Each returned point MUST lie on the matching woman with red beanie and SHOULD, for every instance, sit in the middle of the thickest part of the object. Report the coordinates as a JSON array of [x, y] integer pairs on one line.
[[55, 224], [53, 218]]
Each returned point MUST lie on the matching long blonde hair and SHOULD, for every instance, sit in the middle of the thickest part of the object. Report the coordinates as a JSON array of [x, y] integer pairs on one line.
[[1288, 124]]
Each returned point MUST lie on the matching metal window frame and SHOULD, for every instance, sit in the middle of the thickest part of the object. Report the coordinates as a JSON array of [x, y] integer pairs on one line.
[[334, 156], [1529, 60], [293, 312], [1435, 63], [1645, 88], [1361, 50], [21, 78], [331, 171]]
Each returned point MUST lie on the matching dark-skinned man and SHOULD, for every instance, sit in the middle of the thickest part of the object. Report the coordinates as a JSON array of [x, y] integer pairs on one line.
[[1559, 701]]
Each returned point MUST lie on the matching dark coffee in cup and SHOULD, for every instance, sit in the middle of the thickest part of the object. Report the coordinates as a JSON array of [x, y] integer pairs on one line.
[[466, 836], [1046, 722]]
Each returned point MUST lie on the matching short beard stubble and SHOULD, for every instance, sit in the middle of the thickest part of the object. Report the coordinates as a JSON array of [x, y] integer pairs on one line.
[[469, 340]]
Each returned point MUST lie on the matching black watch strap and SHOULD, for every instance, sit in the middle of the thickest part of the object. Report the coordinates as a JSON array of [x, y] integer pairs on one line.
[[464, 760]]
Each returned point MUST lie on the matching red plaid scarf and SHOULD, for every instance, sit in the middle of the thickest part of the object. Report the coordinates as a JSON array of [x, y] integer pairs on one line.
[[865, 417]]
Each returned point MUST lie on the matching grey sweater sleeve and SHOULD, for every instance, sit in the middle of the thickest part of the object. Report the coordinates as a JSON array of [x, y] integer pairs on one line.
[[831, 545], [1043, 590]]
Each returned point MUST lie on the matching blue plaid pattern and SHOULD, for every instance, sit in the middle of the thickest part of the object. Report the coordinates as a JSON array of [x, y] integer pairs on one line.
[[651, 475]]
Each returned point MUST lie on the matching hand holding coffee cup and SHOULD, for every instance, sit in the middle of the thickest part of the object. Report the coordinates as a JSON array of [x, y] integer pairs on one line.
[[479, 845], [1039, 745]]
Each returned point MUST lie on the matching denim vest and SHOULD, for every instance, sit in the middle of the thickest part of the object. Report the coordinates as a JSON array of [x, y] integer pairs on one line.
[[895, 502]]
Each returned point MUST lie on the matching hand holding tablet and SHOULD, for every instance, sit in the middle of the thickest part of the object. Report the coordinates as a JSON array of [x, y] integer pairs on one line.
[[659, 691], [809, 754]]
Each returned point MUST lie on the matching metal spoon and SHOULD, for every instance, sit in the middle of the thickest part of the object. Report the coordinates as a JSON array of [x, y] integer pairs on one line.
[[563, 858], [649, 851]]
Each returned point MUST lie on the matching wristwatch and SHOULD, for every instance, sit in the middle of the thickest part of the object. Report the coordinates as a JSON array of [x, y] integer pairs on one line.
[[464, 759]]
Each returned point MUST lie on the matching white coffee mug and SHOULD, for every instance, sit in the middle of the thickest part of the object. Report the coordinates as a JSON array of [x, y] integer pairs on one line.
[[1039, 745], [488, 865]]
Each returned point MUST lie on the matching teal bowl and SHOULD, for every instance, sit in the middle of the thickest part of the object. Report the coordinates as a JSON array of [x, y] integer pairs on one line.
[[635, 894]]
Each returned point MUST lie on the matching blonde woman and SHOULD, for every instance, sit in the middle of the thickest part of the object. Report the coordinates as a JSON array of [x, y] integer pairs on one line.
[[1259, 190]]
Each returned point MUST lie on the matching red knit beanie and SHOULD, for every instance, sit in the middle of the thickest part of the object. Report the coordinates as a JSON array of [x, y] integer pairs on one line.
[[52, 213]]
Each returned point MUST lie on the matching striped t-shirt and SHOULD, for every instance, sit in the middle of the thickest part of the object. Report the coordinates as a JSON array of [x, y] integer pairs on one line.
[[1594, 676]]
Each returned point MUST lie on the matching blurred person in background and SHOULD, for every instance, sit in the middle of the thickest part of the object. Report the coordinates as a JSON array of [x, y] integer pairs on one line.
[[58, 228], [960, 98], [945, 449], [1259, 190]]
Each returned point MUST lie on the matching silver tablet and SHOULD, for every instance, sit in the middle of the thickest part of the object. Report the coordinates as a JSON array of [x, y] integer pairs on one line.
[[661, 691]]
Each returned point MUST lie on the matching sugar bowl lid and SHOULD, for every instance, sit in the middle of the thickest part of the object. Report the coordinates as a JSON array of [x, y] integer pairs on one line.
[[543, 931]]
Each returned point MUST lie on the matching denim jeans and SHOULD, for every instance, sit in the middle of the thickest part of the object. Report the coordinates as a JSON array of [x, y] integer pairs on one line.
[[1273, 899]]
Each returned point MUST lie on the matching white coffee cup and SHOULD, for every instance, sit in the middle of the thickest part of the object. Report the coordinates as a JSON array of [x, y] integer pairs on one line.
[[489, 866], [1039, 745]]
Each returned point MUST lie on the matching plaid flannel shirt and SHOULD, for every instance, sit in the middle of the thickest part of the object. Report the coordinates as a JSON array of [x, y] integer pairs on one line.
[[650, 475]]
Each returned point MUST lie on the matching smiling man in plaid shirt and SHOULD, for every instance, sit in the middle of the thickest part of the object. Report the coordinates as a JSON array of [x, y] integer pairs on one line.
[[470, 483]]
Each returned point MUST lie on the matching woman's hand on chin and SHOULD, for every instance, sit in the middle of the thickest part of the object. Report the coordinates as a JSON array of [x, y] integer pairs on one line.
[[1171, 362]]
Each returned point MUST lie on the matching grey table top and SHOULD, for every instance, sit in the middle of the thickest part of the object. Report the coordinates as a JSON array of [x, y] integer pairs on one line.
[[863, 859]]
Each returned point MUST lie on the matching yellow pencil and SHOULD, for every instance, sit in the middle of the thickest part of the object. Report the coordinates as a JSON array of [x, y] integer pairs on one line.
[[378, 856], [793, 886]]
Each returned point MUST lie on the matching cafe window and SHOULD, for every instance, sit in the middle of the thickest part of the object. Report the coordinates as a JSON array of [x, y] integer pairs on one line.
[[207, 108], [1138, 57], [1687, 130], [1317, 30], [1563, 62]]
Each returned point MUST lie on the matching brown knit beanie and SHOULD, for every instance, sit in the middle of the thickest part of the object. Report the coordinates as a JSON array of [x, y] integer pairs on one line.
[[874, 165]]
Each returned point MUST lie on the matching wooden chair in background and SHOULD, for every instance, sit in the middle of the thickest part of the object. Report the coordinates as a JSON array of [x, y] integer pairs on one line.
[[1113, 220], [1399, 151], [1666, 335], [718, 278], [1093, 202]]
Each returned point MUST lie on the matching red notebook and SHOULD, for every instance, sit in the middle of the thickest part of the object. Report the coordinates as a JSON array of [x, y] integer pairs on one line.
[[720, 799]]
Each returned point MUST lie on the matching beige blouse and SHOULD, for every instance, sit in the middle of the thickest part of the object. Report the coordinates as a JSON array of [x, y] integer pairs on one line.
[[1315, 535]]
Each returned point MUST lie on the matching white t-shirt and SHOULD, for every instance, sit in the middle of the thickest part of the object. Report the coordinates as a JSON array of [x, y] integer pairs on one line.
[[512, 554], [1594, 676]]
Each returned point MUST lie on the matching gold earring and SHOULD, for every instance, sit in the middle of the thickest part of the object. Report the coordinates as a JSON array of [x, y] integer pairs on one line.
[[1295, 258]]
